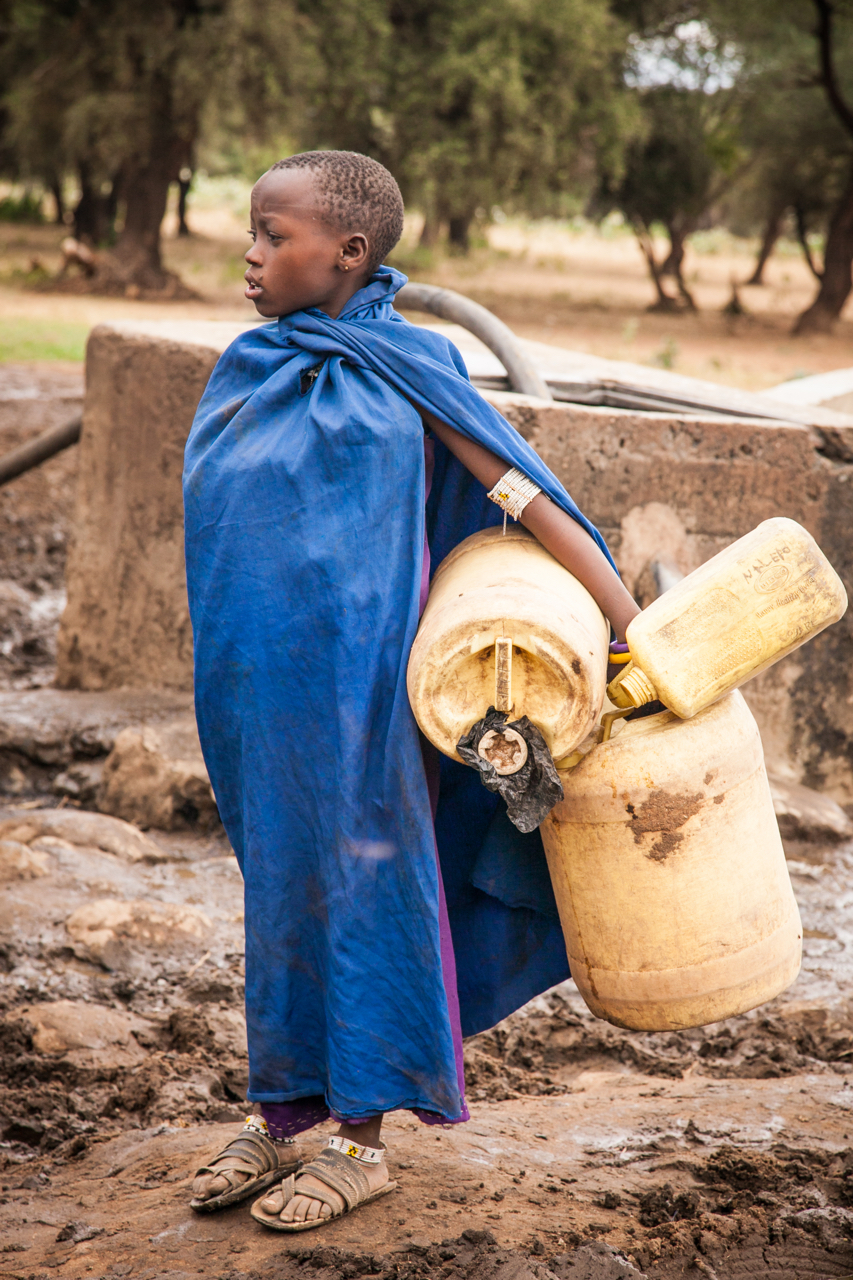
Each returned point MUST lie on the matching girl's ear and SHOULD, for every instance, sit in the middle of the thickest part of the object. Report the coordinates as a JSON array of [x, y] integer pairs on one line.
[[354, 252]]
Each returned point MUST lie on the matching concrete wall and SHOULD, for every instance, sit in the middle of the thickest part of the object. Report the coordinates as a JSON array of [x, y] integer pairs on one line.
[[658, 485], [127, 622]]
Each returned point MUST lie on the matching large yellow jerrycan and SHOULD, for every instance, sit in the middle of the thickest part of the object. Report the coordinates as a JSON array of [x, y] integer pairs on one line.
[[734, 616], [669, 872], [507, 626]]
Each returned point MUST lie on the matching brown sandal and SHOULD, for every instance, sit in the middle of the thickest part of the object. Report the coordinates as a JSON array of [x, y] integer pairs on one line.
[[250, 1152], [341, 1174]]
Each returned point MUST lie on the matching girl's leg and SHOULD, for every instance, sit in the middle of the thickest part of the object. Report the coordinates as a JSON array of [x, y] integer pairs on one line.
[[302, 1208], [365, 1134]]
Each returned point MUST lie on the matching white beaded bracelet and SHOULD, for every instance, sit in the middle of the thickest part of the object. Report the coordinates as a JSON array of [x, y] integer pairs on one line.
[[513, 492]]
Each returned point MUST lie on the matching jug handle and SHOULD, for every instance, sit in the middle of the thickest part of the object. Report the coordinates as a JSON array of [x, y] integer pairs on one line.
[[503, 673], [608, 719]]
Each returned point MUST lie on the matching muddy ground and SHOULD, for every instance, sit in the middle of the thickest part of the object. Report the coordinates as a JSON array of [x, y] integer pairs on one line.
[[592, 1153], [36, 517], [727, 1150]]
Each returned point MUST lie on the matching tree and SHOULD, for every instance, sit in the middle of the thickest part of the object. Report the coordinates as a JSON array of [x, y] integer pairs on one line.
[[471, 105], [836, 279], [800, 167], [495, 101], [798, 58], [673, 174], [115, 92], [508, 102]]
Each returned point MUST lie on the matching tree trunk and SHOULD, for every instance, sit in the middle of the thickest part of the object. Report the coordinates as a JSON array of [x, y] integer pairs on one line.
[[55, 186], [837, 271], [134, 266], [665, 302], [95, 213], [772, 232], [183, 192], [803, 237], [145, 191], [458, 231], [671, 265], [430, 231], [675, 261]]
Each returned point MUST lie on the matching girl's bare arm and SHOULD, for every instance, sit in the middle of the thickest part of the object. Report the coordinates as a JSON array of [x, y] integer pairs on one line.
[[567, 541]]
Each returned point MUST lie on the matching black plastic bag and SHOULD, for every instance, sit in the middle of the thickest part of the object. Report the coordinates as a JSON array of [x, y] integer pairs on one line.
[[532, 792]]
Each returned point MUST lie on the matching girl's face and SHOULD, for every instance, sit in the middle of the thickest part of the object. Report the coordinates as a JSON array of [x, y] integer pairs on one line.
[[297, 260]]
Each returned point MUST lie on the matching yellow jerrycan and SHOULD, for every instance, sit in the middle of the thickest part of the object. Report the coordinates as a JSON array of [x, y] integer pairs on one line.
[[507, 626], [669, 872], [765, 595]]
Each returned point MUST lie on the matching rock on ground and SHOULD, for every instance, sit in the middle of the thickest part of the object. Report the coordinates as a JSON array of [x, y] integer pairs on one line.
[[17, 862], [157, 778], [85, 1034], [804, 814], [133, 754], [596, 1261], [110, 834], [105, 930]]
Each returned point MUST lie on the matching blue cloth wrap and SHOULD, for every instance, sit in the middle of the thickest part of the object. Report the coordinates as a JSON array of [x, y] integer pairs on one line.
[[304, 504]]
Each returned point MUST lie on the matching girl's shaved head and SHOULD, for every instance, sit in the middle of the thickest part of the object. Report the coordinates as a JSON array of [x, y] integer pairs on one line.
[[355, 193]]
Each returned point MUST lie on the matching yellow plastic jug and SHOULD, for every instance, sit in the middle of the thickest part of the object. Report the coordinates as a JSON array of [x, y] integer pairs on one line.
[[669, 872], [507, 626], [765, 595]]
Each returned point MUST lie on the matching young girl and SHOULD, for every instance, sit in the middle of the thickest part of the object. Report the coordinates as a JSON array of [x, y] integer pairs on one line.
[[336, 453]]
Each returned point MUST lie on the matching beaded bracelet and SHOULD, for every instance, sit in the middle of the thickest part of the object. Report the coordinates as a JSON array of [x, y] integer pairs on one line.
[[513, 492], [619, 653]]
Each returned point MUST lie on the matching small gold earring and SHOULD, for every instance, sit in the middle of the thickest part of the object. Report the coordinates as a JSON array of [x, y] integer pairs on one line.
[[346, 266]]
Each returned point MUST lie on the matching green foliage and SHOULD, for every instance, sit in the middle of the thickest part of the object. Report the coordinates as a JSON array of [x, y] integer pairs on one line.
[[689, 83], [671, 175], [505, 101], [491, 102], [799, 56], [86, 82], [23, 208], [801, 154], [663, 109], [117, 93], [509, 102]]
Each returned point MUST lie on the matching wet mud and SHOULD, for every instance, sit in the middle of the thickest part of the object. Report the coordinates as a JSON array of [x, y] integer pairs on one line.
[[36, 517], [592, 1152]]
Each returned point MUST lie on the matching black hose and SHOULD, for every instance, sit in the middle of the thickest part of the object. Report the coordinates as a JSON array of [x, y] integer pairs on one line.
[[447, 304], [34, 452]]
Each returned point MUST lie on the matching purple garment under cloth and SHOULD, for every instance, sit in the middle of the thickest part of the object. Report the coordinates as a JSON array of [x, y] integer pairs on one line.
[[286, 1119]]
